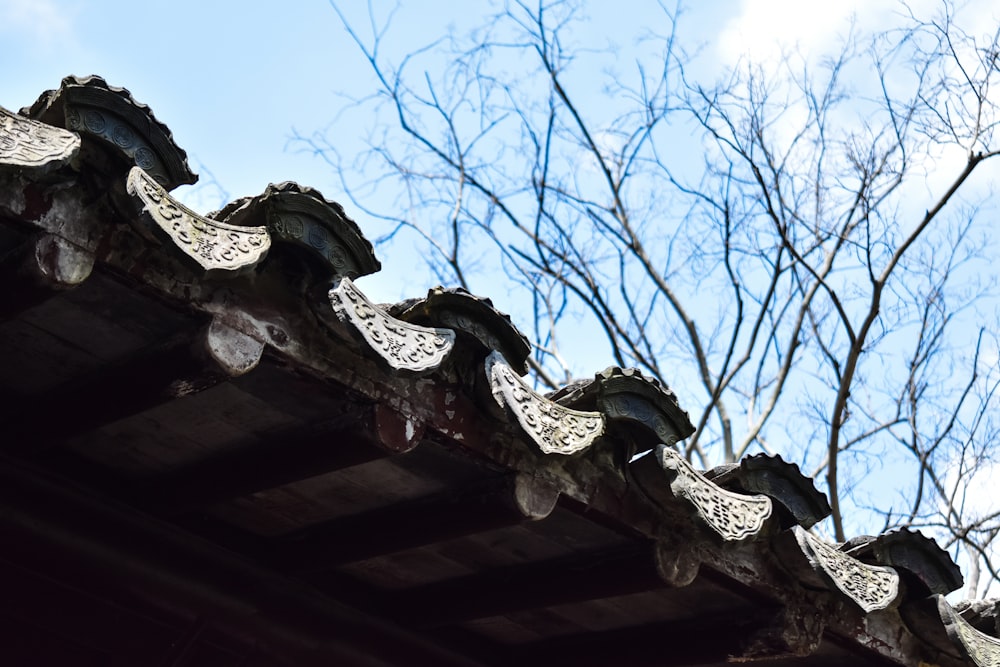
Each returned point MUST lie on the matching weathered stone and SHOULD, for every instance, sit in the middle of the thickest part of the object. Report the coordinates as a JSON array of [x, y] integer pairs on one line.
[[912, 552], [793, 632], [39, 269], [301, 218], [676, 563], [783, 482], [212, 246], [29, 146], [403, 347], [983, 615], [470, 316], [110, 115], [981, 648], [233, 351], [870, 587], [554, 428], [625, 394], [732, 516], [534, 498]]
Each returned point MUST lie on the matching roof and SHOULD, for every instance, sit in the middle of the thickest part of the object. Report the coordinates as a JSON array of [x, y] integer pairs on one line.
[[217, 450]]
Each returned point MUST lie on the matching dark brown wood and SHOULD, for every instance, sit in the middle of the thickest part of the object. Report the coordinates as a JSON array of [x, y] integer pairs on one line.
[[196, 362], [792, 632], [182, 648], [122, 555], [676, 562], [39, 269], [498, 503], [393, 431], [698, 641], [104, 397], [100, 581], [562, 581], [281, 460], [77, 618]]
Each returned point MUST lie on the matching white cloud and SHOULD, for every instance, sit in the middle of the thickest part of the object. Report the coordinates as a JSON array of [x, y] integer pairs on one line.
[[763, 29], [43, 23]]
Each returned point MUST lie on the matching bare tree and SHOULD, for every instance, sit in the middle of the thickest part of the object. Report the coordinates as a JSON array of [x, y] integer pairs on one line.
[[792, 246]]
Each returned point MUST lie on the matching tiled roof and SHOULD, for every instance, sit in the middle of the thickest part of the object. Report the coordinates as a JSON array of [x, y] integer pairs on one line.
[[218, 450]]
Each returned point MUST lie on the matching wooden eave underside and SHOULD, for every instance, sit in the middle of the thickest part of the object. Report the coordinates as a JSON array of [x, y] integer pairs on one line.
[[163, 505]]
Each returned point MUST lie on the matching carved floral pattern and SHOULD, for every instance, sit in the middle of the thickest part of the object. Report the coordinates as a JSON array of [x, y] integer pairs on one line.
[[554, 428], [734, 516], [29, 144], [213, 245], [983, 649], [871, 587], [404, 346]]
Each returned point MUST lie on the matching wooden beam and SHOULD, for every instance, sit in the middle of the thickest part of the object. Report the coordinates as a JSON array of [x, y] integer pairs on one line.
[[40, 268], [365, 433], [105, 548], [181, 649], [719, 638], [499, 503], [63, 613], [213, 355], [593, 576], [281, 460]]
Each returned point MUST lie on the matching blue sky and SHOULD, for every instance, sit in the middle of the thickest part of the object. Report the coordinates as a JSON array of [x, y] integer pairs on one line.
[[231, 79], [234, 80]]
